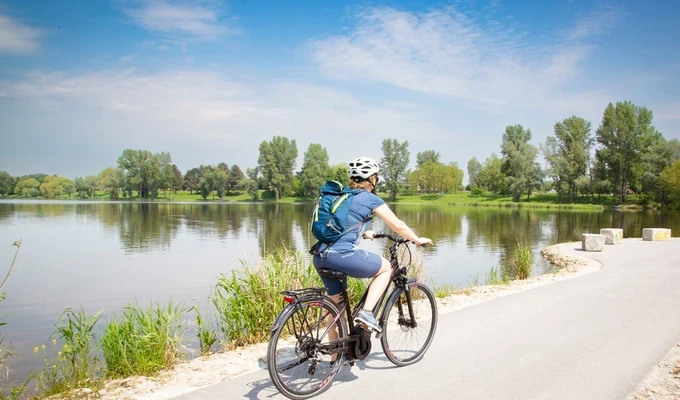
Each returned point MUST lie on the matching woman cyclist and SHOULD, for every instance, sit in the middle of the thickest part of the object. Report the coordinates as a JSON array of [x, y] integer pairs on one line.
[[345, 255]]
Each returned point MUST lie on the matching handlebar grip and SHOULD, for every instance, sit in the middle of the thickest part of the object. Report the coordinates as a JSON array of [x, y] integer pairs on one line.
[[379, 235]]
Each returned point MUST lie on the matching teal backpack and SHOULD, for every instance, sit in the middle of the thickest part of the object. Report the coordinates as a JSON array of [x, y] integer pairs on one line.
[[329, 219]]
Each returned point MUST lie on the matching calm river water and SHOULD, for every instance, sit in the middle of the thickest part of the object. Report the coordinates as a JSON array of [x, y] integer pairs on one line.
[[106, 255]]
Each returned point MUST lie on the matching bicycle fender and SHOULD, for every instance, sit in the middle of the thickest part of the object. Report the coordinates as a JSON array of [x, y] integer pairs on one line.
[[393, 296], [281, 317]]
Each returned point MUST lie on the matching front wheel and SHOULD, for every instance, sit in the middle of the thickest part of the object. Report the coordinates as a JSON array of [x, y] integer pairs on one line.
[[408, 331], [299, 357]]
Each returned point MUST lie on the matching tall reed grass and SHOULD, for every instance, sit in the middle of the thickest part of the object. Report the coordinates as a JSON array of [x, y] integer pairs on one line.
[[76, 365], [523, 263], [248, 301], [207, 337], [144, 341]]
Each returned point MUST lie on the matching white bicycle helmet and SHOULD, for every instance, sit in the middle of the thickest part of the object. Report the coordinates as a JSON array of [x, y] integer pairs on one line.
[[363, 167]]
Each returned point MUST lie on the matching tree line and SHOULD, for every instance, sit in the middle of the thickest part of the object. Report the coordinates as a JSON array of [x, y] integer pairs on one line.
[[626, 154]]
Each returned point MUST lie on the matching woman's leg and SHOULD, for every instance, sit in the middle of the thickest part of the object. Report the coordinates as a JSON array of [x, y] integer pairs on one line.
[[379, 284]]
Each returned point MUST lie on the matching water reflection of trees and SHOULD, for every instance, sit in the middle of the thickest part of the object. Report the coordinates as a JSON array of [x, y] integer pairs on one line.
[[436, 223], [142, 226], [501, 230], [278, 224], [146, 226]]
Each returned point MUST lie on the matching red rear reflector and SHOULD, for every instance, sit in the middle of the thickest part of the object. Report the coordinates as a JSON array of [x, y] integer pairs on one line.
[[288, 299]]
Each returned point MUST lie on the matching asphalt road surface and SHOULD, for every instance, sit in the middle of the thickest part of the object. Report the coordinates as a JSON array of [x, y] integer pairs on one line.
[[594, 337]]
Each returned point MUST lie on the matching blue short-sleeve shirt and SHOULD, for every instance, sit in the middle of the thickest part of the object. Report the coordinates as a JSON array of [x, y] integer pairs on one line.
[[363, 205]]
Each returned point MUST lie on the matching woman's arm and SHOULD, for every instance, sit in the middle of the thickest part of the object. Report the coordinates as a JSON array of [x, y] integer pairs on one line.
[[399, 226]]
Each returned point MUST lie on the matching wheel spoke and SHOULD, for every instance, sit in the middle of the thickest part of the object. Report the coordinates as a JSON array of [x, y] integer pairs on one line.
[[402, 342], [300, 363]]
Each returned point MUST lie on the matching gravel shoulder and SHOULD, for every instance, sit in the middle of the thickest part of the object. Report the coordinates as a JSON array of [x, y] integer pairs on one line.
[[663, 383]]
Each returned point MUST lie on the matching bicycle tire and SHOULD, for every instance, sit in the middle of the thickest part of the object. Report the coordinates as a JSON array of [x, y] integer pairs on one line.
[[399, 340], [293, 356]]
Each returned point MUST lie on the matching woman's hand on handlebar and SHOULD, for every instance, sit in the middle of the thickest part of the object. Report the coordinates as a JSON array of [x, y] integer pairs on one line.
[[423, 242], [369, 235]]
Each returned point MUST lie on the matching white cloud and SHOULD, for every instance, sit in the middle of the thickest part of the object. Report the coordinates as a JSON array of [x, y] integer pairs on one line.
[[17, 38], [180, 20], [206, 107], [449, 55]]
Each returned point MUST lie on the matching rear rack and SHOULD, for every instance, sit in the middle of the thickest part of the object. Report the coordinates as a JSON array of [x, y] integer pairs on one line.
[[304, 292]]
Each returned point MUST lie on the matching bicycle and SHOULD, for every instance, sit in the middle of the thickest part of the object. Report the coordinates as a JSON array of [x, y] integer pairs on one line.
[[303, 360]]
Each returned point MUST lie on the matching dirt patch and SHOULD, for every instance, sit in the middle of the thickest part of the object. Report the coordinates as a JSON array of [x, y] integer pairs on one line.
[[663, 383]]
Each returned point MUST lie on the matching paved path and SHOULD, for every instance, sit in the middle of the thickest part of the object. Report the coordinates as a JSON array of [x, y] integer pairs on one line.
[[593, 337]]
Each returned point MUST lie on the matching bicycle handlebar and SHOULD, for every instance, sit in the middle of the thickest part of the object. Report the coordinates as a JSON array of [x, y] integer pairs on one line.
[[394, 238]]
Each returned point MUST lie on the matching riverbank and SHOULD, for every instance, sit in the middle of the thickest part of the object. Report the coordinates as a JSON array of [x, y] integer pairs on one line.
[[460, 199], [205, 371]]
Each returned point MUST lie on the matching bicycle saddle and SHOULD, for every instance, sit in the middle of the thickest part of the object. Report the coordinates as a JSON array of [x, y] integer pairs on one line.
[[333, 274]]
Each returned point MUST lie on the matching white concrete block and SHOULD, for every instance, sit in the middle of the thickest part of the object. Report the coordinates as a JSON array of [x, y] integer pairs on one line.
[[656, 234], [592, 242], [613, 235]]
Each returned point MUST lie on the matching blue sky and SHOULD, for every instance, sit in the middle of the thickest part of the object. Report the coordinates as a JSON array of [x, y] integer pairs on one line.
[[208, 81]]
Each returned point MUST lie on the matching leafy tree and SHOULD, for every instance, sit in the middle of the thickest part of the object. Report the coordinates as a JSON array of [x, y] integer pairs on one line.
[[315, 170], [81, 186], [276, 162], [425, 156], [339, 173], [435, 177], [27, 187], [491, 176], [454, 177], [235, 178], [568, 153], [393, 164], [51, 187], [474, 168], [207, 184], [38, 177], [655, 159], [624, 134], [670, 180], [111, 180], [6, 183], [250, 183], [177, 180], [192, 179], [143, 171], [523, 173], [165, 175], [214, 180], [68, 186], [91, 182], [223, 167]]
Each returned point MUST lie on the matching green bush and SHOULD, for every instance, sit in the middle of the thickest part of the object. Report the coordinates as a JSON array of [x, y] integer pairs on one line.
[[144, 341]]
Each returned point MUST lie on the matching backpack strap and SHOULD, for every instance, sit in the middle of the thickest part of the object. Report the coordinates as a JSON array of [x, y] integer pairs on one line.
[[315, 248]]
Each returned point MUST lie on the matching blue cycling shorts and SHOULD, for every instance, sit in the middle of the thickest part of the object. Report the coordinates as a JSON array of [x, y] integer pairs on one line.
[[357, 264]]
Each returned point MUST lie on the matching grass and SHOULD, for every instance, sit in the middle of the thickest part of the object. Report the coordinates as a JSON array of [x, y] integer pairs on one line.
[[248, 301], [207, 336], [523, 263], [144, 341], [495, 277], [462, 198], [442, 291], [76, 365]]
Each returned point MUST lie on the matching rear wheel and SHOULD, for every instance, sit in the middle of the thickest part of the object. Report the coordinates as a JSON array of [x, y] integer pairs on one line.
[[406, 337], [298, 358]]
